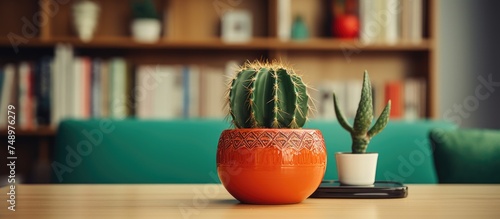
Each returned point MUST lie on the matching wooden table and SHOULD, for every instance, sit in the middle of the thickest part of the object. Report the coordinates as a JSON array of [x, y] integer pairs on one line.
[[213, 201]]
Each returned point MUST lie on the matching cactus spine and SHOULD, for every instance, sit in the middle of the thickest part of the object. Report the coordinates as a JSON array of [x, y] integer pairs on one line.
[[361, 133], [267, 95]]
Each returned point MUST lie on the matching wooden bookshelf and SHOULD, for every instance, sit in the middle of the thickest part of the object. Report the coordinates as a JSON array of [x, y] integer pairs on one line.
[[192, 36]]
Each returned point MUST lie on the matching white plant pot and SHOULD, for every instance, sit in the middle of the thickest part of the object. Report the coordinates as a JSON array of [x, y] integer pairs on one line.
[[146, 30], [356, 169], [85, 19]]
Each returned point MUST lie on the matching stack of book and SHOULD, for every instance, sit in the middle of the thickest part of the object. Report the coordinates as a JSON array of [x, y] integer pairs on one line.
[[175, 91], [391, 21], [65, 86]]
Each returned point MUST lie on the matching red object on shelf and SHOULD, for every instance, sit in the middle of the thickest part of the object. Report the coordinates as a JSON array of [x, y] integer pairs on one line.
[[346, 26]]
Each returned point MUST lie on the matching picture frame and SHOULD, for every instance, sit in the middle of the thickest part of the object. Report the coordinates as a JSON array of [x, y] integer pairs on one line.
[[237, 26]]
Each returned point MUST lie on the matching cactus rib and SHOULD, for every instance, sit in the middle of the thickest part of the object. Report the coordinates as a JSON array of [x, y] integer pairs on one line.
[[340, 116], [364, 114], [267, 95], [382, 121]]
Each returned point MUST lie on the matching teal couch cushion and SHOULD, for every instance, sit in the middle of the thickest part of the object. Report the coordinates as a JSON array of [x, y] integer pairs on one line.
[[138, 151], [467, 155], [183, 151]]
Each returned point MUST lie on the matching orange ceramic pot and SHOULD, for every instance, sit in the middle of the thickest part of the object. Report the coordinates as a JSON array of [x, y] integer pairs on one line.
[[271, 166]]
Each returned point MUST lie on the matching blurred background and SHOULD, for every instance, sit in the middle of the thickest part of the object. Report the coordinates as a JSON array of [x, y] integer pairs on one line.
[[170, 59], [466, 51]]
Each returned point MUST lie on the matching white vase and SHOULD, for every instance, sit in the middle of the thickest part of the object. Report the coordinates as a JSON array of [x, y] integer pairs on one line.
[[85, 17], [356, 169], [146, 30]]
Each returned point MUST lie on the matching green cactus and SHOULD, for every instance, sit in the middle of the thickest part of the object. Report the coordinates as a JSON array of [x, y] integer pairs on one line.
[[361, 133], [144, 9], [267, 95]]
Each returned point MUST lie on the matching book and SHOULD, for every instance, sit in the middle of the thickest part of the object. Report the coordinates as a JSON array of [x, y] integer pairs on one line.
[[326, 89], [191, 91], [8, 92], [213, 85], [86, 87], [143, 91], [26, 112], [391, 10], [80, 81], [156, 98], [62, 83], [391, 21], [118, 88], [411, 99], [104, 89], [394, 92], [43, 85], [96, 96], [284, 19], [55, 89], [164, 92], [412, 21], [371, 30]]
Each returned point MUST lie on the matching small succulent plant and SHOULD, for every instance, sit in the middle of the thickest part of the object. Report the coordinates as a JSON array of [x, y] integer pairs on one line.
[[144, 9], [361, 133], [267, 95]]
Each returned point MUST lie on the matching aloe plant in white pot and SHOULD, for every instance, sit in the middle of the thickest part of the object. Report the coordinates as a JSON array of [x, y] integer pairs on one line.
[[146, 26], [359, 167]]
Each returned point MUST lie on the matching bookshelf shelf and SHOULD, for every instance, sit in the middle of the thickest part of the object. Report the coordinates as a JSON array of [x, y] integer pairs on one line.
[[317, 44], [40, 131], [129, 43], [324, 44]]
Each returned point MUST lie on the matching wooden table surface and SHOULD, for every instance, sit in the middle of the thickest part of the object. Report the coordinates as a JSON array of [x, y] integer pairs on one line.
[[213, 201]]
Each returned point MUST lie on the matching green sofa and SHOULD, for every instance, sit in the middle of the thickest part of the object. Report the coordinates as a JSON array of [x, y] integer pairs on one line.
[[466, 155], [183, 151]]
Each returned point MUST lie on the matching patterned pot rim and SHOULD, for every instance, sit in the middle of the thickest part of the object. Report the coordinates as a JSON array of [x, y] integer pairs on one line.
[[296, 139]]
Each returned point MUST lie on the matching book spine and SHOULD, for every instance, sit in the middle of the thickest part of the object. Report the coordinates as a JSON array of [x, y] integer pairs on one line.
[[87, 87], [185, 92], [55, 89], [96, 88], [416, 32], [104, 88], [23, 69], [213, 93], [43, 92], [67, 83], [284, 19], [2, 74], [118, 107], [194, 91], [8, 92], [373, 19], [74, 85], [392, 11], [394, 92]]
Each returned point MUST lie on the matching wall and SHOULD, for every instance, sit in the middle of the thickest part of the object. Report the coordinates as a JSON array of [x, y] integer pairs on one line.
[[469, 55]]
